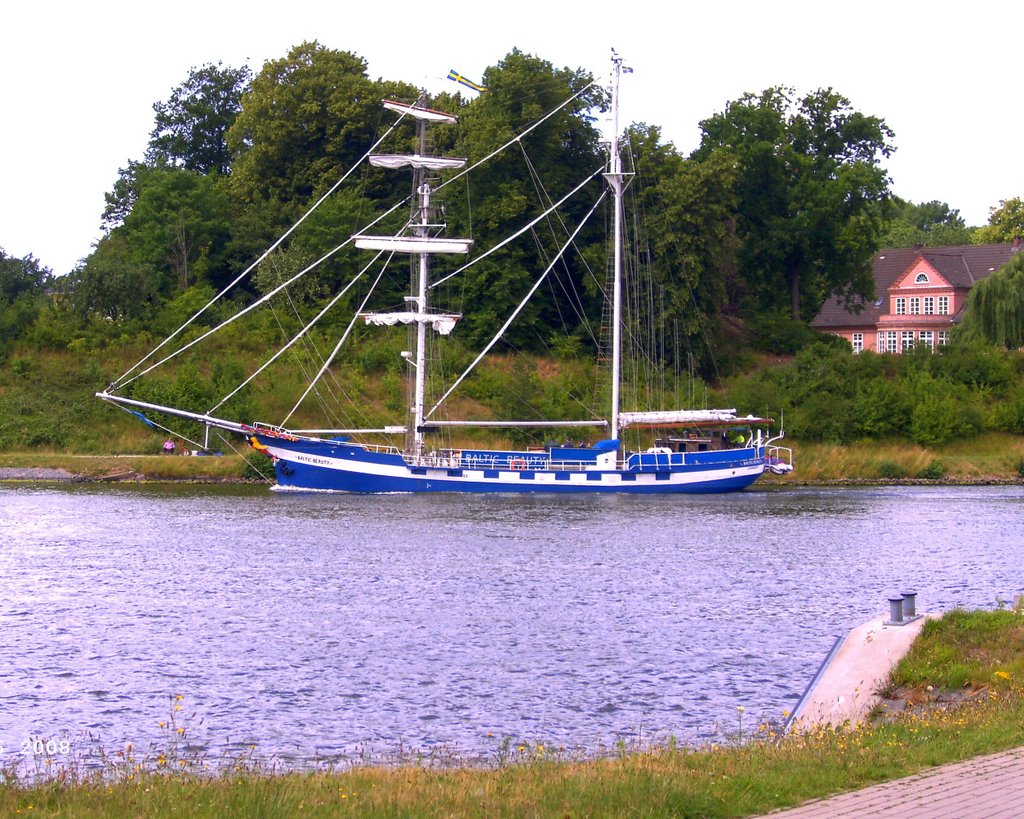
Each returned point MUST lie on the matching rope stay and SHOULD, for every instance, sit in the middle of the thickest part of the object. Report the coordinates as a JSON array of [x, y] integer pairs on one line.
[[120, 382], [518, 309]]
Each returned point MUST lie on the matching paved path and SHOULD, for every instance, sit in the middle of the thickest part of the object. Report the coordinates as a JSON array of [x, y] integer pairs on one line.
[[988, 787]]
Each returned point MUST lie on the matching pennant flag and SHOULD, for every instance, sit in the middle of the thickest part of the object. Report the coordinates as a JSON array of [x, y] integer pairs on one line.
[[455, 76], [142, 417]]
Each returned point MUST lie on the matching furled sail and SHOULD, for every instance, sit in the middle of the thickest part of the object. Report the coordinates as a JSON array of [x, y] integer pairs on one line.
[[668, 418], [443, 323], [420, 113], [413, 244], [431, 163]]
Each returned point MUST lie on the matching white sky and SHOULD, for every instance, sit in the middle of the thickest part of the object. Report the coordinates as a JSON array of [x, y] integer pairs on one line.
[[78, 80]]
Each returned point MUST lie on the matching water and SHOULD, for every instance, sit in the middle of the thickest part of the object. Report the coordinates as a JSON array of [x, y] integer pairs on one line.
[[314, 626]]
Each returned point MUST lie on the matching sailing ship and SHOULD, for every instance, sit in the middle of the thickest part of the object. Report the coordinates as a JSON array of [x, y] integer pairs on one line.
[[692, 451]]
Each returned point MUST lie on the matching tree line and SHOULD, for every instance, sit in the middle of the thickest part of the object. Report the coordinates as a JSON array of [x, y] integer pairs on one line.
[[780, 207]]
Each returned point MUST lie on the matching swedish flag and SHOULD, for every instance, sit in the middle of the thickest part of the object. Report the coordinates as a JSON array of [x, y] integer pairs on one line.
[[457, 77]]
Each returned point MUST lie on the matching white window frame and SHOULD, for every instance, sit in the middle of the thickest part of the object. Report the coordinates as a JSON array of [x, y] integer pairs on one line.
[[927, 339], [915, 305], [858, 343], [921, 278], [906, 340], [901, 306], [943, 338], [942, 303], [928, 305]]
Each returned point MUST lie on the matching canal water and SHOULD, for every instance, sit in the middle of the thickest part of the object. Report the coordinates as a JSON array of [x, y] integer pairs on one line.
[[324, 626]]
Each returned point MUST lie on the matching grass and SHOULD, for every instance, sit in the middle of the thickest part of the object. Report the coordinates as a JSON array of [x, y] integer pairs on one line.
[[770, 771], [989, 457]]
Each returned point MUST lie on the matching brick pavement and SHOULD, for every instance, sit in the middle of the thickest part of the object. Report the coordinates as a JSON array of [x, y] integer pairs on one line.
[[987, 787]]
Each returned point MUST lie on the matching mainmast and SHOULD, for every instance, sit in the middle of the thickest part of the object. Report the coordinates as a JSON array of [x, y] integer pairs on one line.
[[616, 178]]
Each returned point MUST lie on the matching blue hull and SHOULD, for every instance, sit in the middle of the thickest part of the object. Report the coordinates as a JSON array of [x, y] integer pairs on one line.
[[332, 466]]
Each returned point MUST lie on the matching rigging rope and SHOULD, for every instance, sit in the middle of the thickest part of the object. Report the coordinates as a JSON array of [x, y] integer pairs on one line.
[[120, 382], [518, 309]]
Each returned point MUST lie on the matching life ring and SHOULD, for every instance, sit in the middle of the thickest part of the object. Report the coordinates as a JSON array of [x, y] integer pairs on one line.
[[518, 463]]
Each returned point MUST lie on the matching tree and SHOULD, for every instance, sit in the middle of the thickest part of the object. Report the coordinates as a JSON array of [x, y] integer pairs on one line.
[[192, 125], [519, 184], [112, 285], [1005, 223], [811, 194], [995, 308], [933, 224], [22, 283], [305, 120], [179, 225], [686, 235]]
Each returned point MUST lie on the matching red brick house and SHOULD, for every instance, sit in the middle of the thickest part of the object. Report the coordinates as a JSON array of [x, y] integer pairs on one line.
[[921, 293]]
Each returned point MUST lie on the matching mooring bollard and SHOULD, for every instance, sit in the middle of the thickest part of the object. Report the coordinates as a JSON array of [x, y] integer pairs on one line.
[[909, 603], [896, 610]]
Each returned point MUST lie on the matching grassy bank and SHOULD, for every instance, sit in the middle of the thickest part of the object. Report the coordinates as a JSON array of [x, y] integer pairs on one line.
[[981, 653], [993, 457]]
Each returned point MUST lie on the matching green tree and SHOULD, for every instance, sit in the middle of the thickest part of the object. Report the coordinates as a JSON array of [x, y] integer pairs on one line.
[[305, 120], [517, 185], [179, 226], [23, 283], [995, 308], [191, 126], [811, 194], [686, 234], [933, 223], [112, 285], [1005, 223]]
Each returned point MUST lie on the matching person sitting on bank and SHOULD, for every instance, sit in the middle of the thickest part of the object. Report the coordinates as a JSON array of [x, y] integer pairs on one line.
[[168, 447]]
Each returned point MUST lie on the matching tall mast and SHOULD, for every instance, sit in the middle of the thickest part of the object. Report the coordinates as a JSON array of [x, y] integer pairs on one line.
[[615, 178], [420, 230], [420, 244]]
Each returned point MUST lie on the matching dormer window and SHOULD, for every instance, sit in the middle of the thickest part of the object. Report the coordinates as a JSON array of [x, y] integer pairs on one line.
[[921, 278]]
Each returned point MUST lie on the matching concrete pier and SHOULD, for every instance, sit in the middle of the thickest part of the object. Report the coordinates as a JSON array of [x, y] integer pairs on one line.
[[845, 687]]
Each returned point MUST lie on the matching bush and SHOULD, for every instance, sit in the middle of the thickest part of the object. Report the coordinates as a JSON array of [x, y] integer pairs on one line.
[[933, 472], [891, 470]]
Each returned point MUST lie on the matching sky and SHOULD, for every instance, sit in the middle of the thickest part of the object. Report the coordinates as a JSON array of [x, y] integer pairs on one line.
[[78, 80]]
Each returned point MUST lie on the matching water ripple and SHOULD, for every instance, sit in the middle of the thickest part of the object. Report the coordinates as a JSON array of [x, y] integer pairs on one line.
[[317, 624]]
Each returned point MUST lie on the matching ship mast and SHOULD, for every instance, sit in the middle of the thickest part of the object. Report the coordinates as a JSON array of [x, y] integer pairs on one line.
[[617, 180], [422, 242], [421, 185]]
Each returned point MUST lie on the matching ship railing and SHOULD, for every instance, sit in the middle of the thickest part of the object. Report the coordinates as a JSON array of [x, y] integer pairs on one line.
[[778, 459]]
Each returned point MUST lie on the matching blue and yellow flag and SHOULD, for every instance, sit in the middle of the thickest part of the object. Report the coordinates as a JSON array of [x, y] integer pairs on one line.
[[457, 77]]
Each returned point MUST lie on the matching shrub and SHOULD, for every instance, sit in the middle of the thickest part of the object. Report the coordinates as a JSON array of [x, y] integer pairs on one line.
[[891, 470], [933, 472]]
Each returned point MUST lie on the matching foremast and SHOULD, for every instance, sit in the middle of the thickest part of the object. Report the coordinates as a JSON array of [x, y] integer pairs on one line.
[[423, 241]]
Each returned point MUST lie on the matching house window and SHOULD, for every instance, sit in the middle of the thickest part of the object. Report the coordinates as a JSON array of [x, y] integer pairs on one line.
[[943, 305], [922, 278], [927, 339], [907, 340], [929, 305], [915, 306], [858, 342], [889, 344], [943, 338], [901, 306]]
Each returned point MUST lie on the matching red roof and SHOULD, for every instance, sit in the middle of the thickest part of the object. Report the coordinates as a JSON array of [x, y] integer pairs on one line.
[[960, 265]]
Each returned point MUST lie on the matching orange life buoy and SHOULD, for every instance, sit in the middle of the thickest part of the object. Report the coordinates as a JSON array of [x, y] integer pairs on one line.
[[518, 463]]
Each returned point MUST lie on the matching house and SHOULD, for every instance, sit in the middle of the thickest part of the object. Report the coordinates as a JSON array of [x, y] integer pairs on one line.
[[921, 293]]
